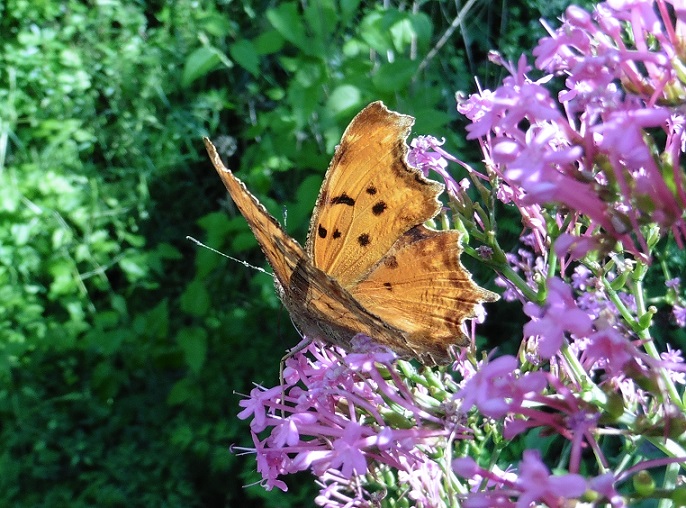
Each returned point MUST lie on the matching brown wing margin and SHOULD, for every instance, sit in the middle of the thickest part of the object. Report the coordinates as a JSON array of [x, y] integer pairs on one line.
[[282, 251]]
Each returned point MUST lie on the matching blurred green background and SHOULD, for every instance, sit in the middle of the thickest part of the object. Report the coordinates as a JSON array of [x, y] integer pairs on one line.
[[122, 344]]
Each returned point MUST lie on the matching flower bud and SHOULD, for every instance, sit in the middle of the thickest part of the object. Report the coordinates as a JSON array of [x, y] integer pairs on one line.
[[644, 483]]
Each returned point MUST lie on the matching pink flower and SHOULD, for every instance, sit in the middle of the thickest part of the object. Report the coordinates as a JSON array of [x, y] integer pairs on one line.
[[679, 313], [495, 390], [559, 315], [672, 360], [270, 465], [489, 387], [347, 456], [426, 154], [610, 350], [590, 149], [537, 484], [605, 485], [255, 405], [286, 432], [575, 247]]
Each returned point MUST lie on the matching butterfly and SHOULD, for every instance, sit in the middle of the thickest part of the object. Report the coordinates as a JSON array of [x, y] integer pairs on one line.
[[370, 266]]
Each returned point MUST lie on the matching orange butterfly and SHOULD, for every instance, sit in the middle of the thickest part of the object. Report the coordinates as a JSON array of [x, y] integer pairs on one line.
[[370, 266]]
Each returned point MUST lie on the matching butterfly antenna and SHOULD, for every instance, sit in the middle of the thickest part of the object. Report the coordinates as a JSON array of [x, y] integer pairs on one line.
[[244, 263]]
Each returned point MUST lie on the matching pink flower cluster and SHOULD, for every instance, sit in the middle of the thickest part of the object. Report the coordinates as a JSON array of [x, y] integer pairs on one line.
[[341, 416], [589, 149]]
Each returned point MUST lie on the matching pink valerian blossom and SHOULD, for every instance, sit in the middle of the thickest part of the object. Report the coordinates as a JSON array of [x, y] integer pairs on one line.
[[609, 350], [577, 246], [605, 486], [679, 313], [496, 391], [255, 405], [673, 360], [583, 170], [559, 411], [424, 483], [537, 484], [331, 418], [532, 484], [526, 264], [673, 283], [561, 314], [426, 154]]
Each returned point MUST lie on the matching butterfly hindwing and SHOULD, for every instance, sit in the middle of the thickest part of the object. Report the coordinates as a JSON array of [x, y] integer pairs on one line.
[[421, 288]]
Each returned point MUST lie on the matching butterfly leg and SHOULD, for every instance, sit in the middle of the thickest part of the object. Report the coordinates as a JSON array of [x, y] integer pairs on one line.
[[290, 353]]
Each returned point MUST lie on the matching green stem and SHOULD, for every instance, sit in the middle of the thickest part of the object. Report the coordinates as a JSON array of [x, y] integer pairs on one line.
[[508, 273], [643, 333], [670, 448], [623, 310]]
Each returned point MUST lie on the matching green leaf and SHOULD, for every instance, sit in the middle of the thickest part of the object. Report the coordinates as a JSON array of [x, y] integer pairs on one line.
[[108, 342], [167, 251], [195, 300], [310, 73], [63, 283], [300, 210], [344, 100], [348, 9], [217, 225], [430, 120], [288, 22], [395, 76], [375, 31], [106, 380], [217, 25], [193, 343], [423, 29], [408, 28], [243, 241], [245, 55], [201, 62], [155, 322], [321, 19], [134, 264], [268, 42], [181, 392]]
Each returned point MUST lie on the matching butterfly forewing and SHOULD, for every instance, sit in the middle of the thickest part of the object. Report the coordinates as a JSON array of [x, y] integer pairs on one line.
[[370, 196], [282, 251]]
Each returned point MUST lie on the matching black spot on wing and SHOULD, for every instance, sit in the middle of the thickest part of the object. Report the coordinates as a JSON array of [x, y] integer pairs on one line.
[[379, 208], [343, 199], [388, 286], [371, 190], [363, 239], [321, 231], [416, 233], [390, 262], [336, 234]]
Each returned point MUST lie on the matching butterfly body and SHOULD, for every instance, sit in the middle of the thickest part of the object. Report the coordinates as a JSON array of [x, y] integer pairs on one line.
[[370, 266]]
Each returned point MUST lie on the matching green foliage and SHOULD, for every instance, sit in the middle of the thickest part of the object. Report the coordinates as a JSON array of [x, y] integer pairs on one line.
[[121, 344]]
